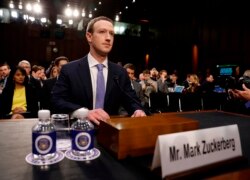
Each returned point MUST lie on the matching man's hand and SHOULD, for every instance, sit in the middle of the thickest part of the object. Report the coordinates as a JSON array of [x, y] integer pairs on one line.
[[139, 113], [241, 94], [97, 115]]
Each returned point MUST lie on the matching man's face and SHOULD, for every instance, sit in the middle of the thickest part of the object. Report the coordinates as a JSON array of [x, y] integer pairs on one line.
[[5, 71], [146, 76], [163, 75], [61, 63], [131, 73], [37, 74], [26, 67], [210, 78], [102, 38]]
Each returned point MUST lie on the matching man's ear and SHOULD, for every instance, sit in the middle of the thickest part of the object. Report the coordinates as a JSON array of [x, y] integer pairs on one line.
[[88, 36]]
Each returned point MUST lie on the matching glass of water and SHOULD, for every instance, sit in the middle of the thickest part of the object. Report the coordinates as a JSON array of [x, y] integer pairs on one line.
[[62, 126]]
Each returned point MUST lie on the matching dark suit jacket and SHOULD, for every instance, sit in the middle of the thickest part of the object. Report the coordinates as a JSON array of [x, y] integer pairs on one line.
[[48, 85], [36, 85], [73, 89], [139, 92]]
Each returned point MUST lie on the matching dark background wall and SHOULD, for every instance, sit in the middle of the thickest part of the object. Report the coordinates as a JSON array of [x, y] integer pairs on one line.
[[169, 45]]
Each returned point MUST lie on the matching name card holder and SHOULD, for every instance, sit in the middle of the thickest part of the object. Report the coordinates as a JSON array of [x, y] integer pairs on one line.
[[192, 152]]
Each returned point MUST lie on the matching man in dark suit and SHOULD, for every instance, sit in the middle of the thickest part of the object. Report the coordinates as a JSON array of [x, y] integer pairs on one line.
[[76, 87], [130, 68], [136, 86], [48, 84]]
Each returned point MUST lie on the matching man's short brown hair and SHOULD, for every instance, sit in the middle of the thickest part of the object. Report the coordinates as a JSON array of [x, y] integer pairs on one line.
[[58, 59], [93, 21]]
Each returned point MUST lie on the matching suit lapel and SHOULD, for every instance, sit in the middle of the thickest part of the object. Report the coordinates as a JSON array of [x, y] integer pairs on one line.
[[110, 82], [84, 74]]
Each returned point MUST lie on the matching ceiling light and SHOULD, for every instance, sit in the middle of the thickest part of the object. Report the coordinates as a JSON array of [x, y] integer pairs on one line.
[[25, 17], [11, 5], [37, 7], [32, 18], [14, 14], [28, 7], [90, 15], [68, 11], [71, 22], [76, 13], [43, 20], [58, 21], [117, 18], [20, 5]]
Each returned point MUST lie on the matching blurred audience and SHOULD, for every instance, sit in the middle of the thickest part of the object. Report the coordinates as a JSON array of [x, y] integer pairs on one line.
[[48, 84], [19, 97], [162, 82], [4, 74]]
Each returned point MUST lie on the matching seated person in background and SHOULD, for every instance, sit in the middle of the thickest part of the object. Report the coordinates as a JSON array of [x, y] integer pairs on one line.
[[186, 82], [4, 74], [19, 97], [31, 80], [194, 84], [243, 94], [162, 82], [148, 86], [48, 84], [173, 80], [154, 74], [26, 65], [42, 75], [208, 85], [54, 72], [141, 78], [130, 68], [37, 72]]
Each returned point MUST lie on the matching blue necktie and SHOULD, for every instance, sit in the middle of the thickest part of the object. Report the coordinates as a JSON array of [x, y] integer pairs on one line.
[[247, 105], [100, 87]]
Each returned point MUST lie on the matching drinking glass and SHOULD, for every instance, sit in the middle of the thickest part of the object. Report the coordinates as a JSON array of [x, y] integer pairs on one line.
[[62, 127]]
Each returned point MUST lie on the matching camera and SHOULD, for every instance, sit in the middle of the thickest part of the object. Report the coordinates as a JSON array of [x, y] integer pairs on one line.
[[244, 80]]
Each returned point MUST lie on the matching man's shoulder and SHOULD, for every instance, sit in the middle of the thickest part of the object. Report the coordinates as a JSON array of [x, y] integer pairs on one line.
[[50, 80], [116, 67], [75, 63], [136, 84]]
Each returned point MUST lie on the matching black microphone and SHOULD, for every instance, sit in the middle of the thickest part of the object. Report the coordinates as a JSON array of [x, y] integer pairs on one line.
[[116, 79]]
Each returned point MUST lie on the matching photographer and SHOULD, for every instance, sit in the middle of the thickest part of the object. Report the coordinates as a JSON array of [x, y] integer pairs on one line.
[[241, 94], [241, 97]]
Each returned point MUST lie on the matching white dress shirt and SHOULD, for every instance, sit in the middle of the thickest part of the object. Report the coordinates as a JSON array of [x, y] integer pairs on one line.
[[93, 73]]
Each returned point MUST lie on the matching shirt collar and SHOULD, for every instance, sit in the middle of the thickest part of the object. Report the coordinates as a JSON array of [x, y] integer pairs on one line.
[[93, 62]]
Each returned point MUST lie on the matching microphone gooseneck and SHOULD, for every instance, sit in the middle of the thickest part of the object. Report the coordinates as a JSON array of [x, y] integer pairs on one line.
[[116, 79]]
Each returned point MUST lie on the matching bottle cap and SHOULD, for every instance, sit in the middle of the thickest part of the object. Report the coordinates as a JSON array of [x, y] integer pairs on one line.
[[82, 113], [44, 114]]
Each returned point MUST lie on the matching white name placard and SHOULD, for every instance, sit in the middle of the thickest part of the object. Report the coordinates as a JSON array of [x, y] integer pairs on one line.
[[183, 151]]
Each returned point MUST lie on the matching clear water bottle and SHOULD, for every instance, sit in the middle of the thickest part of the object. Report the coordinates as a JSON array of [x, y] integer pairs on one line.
[[82, 133], [43, 137]]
